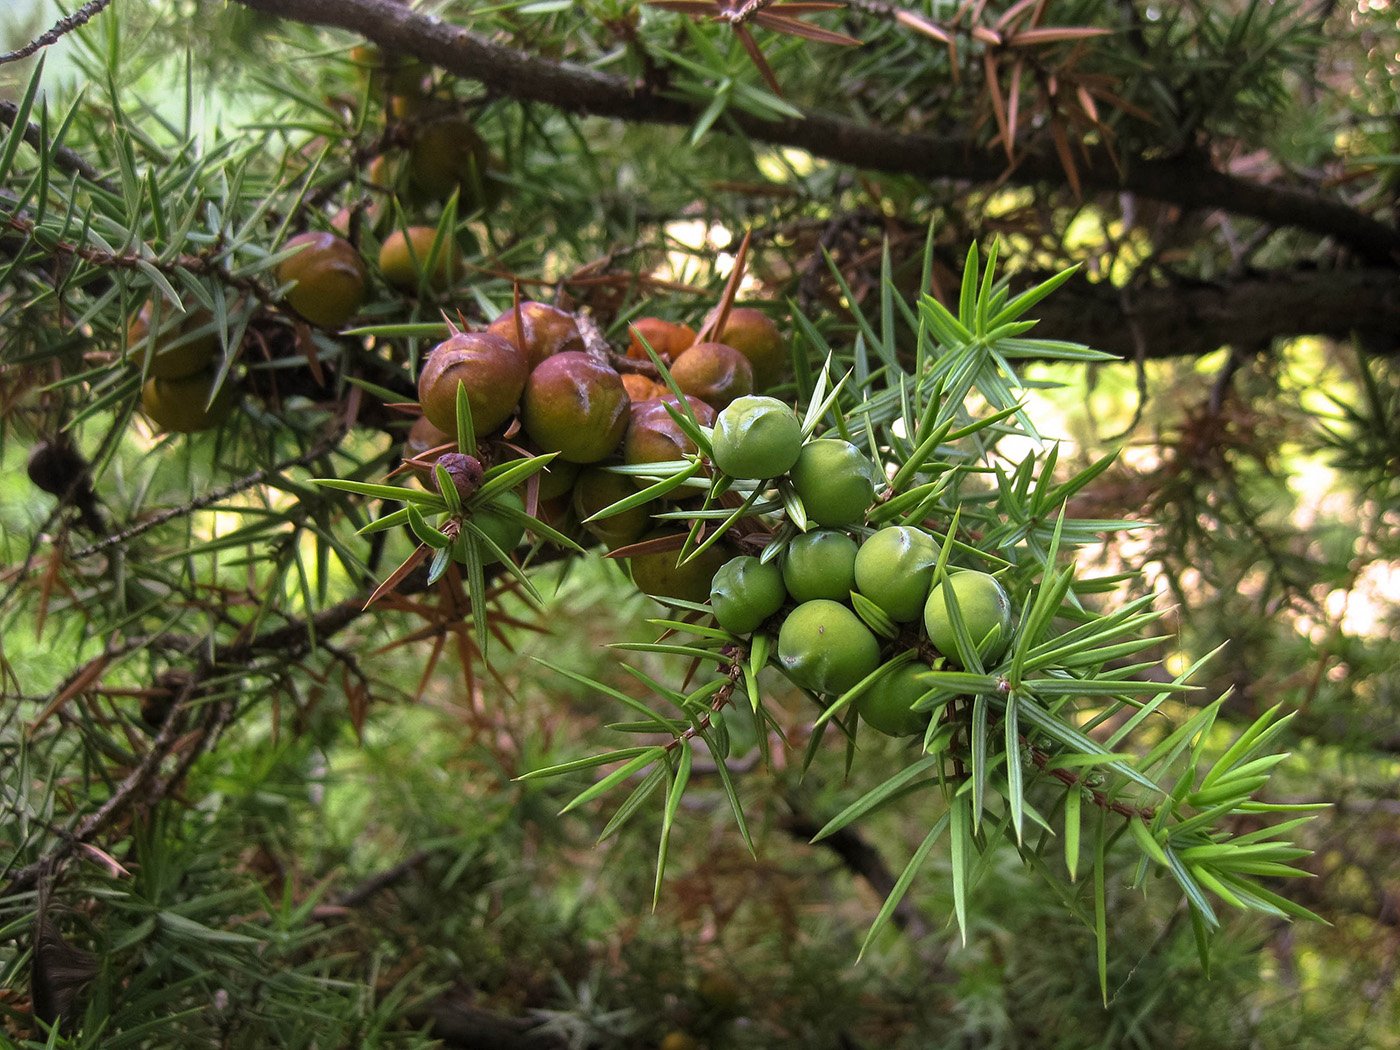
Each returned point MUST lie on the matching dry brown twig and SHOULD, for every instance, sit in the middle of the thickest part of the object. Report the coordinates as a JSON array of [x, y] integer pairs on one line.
[[779, 17]]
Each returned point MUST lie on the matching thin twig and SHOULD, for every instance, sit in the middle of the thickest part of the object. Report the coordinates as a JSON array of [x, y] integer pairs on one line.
[[196, 264], [160, 749], [257, 477], [289, 641], [216, 720], [383, 880], [60, 29], [1076, 782]]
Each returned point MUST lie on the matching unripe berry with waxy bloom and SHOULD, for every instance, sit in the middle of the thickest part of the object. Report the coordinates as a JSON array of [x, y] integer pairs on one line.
[[835, 481], [756, 438], [745, 592], [403, 77], [820, 564], [887, 704], [824, 647], [894, 569], [505, 530], [558, 478], [984, 608]]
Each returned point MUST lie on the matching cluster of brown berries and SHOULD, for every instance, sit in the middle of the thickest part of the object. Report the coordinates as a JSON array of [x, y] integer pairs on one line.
[[530, 380]]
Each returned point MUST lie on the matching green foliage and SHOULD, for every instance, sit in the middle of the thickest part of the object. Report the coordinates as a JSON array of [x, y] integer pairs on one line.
[[1004, 733], [260, 815]]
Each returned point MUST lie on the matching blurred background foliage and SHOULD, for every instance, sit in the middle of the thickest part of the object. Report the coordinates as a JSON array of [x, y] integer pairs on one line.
[[347, 861]]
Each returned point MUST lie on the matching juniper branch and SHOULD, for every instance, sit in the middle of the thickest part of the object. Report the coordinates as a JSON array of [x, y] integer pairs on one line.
[[197, 264], [65, 158], [1189, 181], [94, 823], [290, 640], [57, 31], [213, 496]]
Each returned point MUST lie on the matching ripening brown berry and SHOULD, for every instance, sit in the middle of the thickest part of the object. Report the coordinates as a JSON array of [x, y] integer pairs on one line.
[[575, 405], [184, 405], [719, 991], [713, 372], [653, 436], [492, 371], [405, 79], [185, 343], [755, 335], [450, 154], [640, 388], [663, 576], [596, 489], [406, 254], [558, 478], [547, 331], [384, 171], [330, 278], [667, 338]]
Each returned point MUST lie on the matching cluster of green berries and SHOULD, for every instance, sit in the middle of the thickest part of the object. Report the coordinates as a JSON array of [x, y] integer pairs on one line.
[[806, 592]]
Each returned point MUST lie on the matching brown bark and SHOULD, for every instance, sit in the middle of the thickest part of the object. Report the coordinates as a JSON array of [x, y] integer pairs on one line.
[[1188, 320], [459, 1024], [1186, 181]]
